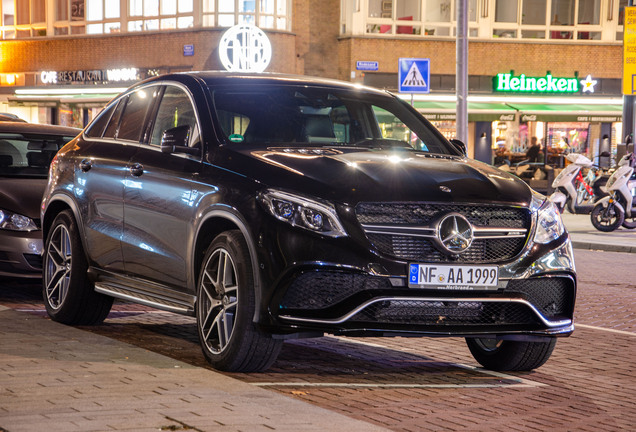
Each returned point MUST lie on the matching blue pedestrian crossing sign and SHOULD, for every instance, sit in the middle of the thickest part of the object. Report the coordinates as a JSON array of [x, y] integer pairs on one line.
[[414, 75]]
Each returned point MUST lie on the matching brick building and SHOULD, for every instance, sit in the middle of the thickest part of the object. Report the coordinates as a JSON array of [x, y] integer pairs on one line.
[[61, 60]]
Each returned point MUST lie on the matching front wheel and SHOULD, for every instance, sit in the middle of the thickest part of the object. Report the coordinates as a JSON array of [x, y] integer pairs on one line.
[[225, 309], [505, 355], [608, 218], [69, 297]]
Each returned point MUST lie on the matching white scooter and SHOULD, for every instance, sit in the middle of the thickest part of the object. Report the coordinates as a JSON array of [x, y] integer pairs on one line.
[[619, 207], [572, 189]]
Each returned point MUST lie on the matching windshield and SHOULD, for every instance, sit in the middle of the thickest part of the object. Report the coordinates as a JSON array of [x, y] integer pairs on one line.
[[28, 155], [319, 116]]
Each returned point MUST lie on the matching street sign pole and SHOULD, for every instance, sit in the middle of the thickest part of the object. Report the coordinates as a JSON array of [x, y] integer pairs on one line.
[[461, 78], [629, 44]]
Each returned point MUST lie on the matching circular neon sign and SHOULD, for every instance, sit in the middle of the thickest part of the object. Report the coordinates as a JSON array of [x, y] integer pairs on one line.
[[245, 48]]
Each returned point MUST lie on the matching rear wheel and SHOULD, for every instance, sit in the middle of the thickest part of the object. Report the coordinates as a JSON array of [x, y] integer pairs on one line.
[[69, 297], [505, 355], [630, 223], [225, 309], [608, 218]]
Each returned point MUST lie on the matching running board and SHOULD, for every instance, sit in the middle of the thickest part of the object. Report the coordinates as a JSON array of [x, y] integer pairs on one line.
[[144, 292]]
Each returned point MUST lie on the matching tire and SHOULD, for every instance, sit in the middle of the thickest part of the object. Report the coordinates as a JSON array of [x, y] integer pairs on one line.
[[505, 355], [69, 297], [225, 308], [608, 218], [630, 223]]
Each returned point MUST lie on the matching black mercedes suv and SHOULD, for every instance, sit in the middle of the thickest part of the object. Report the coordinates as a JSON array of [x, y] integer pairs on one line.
[[276, 206]]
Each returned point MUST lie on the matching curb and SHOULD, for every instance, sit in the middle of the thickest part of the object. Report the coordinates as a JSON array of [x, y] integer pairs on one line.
[[579, 244]]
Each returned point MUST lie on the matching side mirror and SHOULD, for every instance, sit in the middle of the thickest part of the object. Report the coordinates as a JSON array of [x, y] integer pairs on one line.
[[176, 140], [459, 146]]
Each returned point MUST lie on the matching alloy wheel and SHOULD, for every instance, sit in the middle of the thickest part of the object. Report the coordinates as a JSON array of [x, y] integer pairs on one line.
[[488, 345], [218, 300], [58, 266]]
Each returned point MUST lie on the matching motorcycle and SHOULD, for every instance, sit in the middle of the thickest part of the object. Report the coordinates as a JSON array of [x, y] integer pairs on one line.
[[575, 191], [618, 208]]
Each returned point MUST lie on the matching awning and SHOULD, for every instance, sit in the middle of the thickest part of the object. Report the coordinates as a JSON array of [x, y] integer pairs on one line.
[[569, 112], [477, 111], [495, 111]]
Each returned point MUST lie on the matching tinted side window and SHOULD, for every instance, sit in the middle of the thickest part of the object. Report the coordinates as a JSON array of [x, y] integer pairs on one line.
[[96, 128], [175, 110], [134, 116], [111, 129]]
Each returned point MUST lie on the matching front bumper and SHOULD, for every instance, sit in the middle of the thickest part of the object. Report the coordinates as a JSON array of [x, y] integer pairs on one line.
[[535, 297], [21, 254]]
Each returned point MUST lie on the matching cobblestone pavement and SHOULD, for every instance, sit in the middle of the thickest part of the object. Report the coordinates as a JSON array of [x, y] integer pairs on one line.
[[414, 384]]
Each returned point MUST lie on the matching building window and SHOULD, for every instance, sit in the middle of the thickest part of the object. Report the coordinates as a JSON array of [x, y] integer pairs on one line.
[[23, 18], [153, 15], [267, 14], [28, 18], [554, 20], [548, 19], [413, 17]]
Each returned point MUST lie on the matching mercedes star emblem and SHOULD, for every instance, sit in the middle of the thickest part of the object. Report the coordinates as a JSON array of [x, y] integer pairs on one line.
[[454, 233]]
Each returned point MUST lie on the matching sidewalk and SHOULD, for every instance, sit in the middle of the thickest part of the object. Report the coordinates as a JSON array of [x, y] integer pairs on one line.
[[585, 236], [59, 378]]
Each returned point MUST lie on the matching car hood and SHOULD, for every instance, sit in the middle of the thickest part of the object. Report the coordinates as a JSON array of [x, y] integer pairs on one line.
[[354, 175], [22, 195]]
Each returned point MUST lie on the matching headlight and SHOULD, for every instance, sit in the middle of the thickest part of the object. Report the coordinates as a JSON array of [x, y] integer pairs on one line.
[[16, 222], [313, 215], [549, 224]]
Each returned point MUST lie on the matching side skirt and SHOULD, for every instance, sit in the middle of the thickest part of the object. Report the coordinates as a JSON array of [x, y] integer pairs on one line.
[[143, 292]]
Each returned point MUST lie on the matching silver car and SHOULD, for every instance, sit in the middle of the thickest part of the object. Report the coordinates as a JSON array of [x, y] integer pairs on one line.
[[26, 151]]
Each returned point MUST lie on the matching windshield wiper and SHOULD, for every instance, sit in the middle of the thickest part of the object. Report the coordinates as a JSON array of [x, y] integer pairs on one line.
[[381, 143]]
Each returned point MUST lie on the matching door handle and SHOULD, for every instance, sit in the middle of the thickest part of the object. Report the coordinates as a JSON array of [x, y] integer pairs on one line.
[[136, 169], [86, 164]]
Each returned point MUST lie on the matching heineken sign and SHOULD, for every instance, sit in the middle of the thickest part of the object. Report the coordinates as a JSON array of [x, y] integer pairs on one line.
[[507, 82]]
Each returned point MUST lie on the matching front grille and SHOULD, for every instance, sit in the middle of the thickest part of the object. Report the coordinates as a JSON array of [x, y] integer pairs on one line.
[[551, 296], [425, 214], [412, 248], [441, 313], [321, 289], [422, 249]]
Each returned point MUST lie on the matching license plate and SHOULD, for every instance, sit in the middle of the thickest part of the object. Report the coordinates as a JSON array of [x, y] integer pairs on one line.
[[453, 277]]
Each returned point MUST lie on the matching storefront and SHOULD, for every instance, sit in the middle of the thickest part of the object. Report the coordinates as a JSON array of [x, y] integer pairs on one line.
[[564, 114], [66, 97]]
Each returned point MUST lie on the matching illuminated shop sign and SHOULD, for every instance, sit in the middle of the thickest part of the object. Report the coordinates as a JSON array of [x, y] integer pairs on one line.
[[507, 82], [245, 48], [89, 76]]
